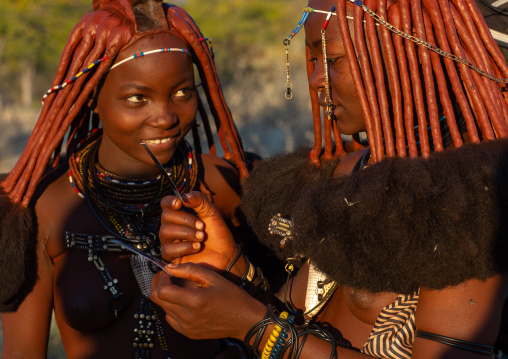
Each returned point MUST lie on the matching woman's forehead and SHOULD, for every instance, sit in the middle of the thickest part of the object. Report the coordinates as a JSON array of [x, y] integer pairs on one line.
[[152, 42], [325, 5]]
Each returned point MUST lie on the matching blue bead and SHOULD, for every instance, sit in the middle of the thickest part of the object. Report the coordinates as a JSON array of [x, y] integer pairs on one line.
[[284, 335]]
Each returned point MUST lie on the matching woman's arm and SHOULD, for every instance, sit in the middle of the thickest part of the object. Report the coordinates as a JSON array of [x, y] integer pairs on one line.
[[470, 311], [26, 331]]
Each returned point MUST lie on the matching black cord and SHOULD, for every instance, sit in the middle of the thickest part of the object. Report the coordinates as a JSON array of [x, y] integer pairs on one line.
[[503, 12], [457, 343], [235, 259]]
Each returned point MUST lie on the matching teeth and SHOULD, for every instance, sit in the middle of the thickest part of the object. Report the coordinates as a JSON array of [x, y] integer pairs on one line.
[[158, 141]]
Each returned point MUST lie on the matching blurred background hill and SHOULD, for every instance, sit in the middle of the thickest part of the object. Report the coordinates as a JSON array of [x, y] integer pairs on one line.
[[249, 54]]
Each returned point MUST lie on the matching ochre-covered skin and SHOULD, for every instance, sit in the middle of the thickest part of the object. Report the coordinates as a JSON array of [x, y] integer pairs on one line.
[[158, 103], [434, 222], [103, 33]]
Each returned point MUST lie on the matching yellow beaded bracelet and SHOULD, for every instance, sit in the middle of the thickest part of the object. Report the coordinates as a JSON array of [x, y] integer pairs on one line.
[[273, 338]]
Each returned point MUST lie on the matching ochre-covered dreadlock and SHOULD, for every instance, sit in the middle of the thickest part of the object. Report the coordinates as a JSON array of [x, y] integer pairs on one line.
[[432, 54], [102, 34]]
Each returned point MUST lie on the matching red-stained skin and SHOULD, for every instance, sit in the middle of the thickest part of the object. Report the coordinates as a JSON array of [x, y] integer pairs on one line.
[[143, 99], [225, 310]]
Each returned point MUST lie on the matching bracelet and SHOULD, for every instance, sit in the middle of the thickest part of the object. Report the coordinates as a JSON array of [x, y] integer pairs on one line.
[[287, 337], [273, 338], [279, 345], [241, 281], [260, 328], [228, 269], [252, 278]]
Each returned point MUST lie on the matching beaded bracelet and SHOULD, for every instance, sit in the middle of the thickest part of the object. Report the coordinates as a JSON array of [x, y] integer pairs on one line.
[[273, 338], [279, 345], [293, 337]]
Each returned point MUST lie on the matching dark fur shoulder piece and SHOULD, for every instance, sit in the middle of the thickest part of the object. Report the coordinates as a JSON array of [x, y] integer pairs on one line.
[[275, 186], [407, 223], [18, 252]]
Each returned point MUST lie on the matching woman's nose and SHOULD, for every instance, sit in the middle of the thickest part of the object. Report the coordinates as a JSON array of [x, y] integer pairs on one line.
[[163, 116], [317, 79]]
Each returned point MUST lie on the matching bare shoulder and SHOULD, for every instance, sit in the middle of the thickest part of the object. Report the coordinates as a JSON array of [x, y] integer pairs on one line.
[[470, 311], [222, 182], [55, 208]]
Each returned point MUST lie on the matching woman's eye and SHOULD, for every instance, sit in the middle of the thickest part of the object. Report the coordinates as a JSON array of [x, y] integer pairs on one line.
[[332, 61], [136, 98], [185, 92]]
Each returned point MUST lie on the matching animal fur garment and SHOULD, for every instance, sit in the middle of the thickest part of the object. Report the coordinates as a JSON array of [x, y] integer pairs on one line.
[[400, 224], [18, 258], [275, 186]]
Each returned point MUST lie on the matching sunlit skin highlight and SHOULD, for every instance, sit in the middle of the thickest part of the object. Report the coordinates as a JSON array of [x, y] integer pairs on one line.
[[135, 106]]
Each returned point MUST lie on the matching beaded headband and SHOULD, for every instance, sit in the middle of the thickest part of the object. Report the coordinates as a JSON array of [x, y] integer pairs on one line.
[[389, 26], [92, 65]]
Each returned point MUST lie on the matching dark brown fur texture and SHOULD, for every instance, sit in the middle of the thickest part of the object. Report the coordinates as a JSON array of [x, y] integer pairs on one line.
[[399, 224], [275, 186], [18, 258]]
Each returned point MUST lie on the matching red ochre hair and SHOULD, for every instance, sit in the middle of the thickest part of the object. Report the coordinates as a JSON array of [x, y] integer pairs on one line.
[[422, 85], [102, 34]]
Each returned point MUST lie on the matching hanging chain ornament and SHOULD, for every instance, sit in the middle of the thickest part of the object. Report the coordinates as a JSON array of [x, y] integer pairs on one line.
[[328, 99], [289, 85], [286, 42]]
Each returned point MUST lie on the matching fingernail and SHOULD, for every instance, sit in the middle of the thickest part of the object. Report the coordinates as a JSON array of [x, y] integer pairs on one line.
[[200, 234], [174, 203], [199, 225], [196, 245], [171, 265]]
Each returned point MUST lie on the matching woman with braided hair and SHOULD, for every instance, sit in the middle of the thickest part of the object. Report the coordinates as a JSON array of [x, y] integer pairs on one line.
[[126, 77], [404, 244]]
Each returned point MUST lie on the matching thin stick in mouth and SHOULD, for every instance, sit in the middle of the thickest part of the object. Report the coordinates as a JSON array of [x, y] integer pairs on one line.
[[163, 170]]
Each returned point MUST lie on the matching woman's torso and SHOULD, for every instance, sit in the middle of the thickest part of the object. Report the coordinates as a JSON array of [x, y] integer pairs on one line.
[[84, 309]]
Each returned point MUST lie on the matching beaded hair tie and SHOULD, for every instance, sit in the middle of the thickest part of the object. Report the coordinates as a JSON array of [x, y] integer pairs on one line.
[[92, 65]]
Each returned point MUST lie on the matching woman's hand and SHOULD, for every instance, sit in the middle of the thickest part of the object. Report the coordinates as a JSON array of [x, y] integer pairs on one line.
[[203, 238], [215, 309]]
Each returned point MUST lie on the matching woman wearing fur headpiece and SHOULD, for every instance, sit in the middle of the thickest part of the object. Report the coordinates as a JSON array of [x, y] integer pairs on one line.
[[126, 77], [405, 242]]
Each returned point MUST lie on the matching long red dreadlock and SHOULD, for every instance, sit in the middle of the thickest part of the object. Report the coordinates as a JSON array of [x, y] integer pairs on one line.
[[102, 34], [449, 58]]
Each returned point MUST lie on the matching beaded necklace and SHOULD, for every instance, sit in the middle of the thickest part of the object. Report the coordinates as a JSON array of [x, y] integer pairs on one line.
[[130, 205]]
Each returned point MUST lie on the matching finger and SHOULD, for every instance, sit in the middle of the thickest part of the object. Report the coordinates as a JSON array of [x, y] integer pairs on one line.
[[171, 215], [162, 281], [172, 251], [171, 202], [201, 204], [203, 277], [170, 232], [197, 201]]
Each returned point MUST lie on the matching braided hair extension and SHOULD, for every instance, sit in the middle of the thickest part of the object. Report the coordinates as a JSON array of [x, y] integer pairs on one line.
[[97, 39], [454, 26], [431, 54]]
